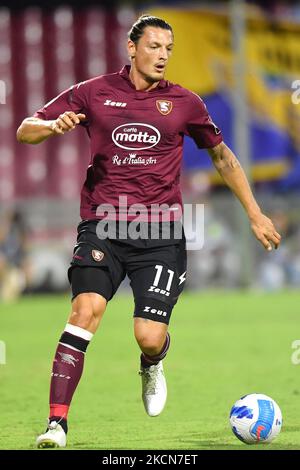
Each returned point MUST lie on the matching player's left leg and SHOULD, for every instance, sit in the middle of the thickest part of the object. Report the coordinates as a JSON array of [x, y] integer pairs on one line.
[[153, 340], [157, 278]]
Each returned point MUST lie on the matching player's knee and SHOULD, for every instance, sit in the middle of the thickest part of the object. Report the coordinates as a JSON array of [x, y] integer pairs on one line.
[[86, 308], [150, 343], [82, 317]]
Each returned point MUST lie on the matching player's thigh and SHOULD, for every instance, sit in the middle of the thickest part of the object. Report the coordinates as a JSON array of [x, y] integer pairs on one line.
[[90, 280], [91, 288], [96, 265], [157, 282]]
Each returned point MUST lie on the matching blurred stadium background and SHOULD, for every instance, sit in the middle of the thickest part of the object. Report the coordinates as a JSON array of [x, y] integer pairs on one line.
[[45, 51], [243, 58]]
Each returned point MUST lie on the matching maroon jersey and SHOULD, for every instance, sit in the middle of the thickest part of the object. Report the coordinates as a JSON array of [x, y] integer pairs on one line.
[[136, 141]]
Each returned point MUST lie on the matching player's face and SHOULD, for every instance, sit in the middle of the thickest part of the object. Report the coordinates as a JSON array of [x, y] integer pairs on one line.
[[152, 52]]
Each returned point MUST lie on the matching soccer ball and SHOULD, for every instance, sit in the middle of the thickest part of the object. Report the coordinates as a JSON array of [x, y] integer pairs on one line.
[[255, 418]]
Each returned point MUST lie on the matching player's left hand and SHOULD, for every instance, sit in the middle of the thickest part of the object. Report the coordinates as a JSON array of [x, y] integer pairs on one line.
[[265, 231]]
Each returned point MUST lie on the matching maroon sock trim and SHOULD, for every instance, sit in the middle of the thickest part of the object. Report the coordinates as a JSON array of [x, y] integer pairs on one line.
[[153, 360]]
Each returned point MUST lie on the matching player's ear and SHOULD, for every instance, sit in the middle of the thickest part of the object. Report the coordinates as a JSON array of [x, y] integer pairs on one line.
[[131, 49]]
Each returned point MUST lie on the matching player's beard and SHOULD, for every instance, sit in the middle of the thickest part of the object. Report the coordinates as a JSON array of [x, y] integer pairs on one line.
[[150, 75], [154, 77]]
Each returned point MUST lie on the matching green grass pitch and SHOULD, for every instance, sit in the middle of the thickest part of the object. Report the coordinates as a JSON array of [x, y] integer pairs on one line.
[[223, 345]]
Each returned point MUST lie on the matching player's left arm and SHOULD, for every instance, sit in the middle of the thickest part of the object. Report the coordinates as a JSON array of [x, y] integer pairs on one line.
[[234, 176]]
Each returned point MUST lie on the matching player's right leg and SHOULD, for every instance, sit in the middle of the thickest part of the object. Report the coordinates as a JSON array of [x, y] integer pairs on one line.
[[86, 314], [95, 275]]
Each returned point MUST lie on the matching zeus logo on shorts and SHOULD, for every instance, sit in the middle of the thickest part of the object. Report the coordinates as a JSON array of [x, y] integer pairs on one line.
[[135, 136], [154, 310], [159, 291]]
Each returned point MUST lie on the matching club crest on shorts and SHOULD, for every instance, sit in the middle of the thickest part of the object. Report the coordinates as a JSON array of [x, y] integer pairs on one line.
[[97, 255], [164, 106]]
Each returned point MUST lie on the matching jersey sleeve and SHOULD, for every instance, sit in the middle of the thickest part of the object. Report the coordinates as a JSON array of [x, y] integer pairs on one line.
[[72, 99], [200, 126]]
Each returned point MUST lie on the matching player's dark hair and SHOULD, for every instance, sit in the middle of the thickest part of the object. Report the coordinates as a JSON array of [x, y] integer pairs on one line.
[[142, 22]]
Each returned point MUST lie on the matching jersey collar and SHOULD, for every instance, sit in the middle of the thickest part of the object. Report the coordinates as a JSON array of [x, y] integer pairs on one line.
[[124, 73]]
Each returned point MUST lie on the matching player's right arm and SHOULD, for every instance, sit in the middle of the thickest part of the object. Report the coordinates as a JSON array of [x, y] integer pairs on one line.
[[34, 130], [62, 114]]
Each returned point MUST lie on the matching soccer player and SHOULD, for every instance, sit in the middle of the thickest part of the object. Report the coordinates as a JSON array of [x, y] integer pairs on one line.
[[136, 121]]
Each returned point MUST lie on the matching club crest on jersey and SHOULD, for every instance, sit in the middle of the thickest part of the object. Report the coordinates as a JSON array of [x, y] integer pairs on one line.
[[97, 255], [164, 106]]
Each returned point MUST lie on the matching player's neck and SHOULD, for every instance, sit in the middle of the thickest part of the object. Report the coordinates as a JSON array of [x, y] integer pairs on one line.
[[140, 83]]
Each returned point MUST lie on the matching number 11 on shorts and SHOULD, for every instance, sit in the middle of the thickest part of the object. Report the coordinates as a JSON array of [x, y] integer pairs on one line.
[[159, 269]]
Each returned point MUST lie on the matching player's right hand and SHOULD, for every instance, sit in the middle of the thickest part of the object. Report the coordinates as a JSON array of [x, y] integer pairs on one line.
[[66, 122]]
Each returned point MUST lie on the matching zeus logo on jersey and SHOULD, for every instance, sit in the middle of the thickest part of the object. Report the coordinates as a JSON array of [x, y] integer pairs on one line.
[[135, 136], [118, 104]]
